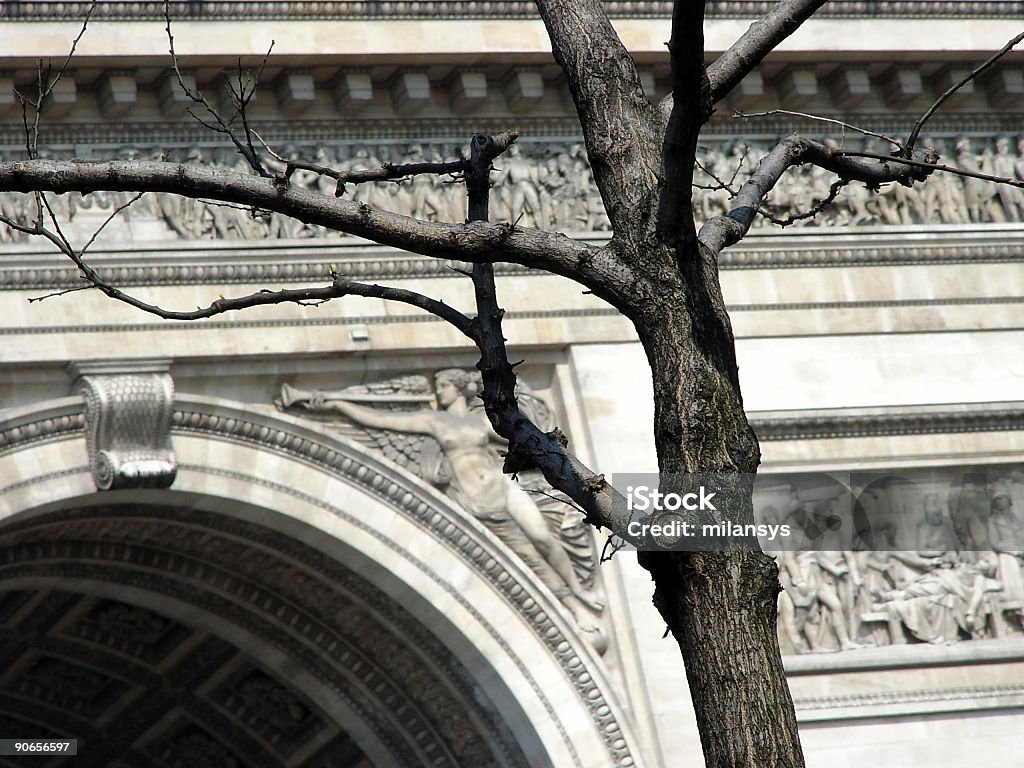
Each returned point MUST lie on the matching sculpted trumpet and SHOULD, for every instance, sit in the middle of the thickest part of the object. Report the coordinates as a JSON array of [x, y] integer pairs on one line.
[[314, 399]]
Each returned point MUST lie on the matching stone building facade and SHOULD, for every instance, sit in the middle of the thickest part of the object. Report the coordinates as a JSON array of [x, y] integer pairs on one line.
[[221, 544]]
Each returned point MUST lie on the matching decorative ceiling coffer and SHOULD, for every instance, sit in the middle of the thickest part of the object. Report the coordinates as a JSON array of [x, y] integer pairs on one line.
[[128, 422]]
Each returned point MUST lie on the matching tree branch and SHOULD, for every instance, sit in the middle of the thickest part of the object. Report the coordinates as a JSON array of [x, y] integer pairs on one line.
[[691, 108], [763, 36], [723, 231], [619, 126], [925, 164], [844, 126], [912, 139], [340, 287], [594, 267], [220, 125], [529, 447], [386, 171]]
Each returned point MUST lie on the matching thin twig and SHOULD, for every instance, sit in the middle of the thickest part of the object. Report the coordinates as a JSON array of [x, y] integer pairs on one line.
[[89, 287], [45, 86], [221, 204], [817, 208], [245, 98], [832, 121], [245, 148], [56, 222], [560, 499], [113, 215], [612, 545], [720, 184], [912, 139]]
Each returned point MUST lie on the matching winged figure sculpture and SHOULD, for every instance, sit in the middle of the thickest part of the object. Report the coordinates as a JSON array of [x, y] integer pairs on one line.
[[439, 431]]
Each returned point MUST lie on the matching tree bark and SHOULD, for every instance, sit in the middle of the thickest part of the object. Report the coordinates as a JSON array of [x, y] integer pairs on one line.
[[719, 605]]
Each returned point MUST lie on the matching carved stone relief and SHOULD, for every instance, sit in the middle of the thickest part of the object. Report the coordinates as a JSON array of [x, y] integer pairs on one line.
[[551, 186], [454, 448], [887, 559]]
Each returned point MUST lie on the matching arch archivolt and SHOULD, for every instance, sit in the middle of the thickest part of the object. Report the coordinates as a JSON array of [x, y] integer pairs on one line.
[[322, 567]]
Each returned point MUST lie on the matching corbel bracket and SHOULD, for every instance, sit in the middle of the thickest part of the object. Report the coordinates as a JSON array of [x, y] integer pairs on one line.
[[128, 406]]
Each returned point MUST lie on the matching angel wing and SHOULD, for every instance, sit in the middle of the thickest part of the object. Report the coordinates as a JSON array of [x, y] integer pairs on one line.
[[420, 454]]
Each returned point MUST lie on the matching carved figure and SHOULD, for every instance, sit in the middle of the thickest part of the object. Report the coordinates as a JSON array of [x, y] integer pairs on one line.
[[934, 532], [427, 202], [975, 190], [942, 602], [1006, 535], [520, 177], [1004, 164], [466, 461]]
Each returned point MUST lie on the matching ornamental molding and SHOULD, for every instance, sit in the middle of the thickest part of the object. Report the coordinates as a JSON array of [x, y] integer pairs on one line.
[[892, 658], [975, 697], [233, 10], [214, 262], [349, 321], [99, 140], [21, 428], [893, 422], [104, 139], [249, 262], [878, 247]]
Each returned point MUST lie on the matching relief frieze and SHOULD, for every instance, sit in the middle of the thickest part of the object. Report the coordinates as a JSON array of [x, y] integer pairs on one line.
[[545, 185], [882, 559]]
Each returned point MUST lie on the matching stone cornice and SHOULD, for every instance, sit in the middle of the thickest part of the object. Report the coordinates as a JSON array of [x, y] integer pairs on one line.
[[104, 139], [212, 262], [226, 10], [888, 422], [248, 263], [909, 702], [896, 657], [878, 246], [109, 137]]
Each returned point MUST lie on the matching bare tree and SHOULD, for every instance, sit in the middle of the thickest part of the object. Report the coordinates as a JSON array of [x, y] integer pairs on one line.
[[658, 269]]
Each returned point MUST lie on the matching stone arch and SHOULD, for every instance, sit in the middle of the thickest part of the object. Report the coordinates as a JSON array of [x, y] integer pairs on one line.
[[350, 592]]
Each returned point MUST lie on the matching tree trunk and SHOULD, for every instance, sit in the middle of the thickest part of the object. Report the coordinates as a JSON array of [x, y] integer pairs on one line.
[[719, 605]]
